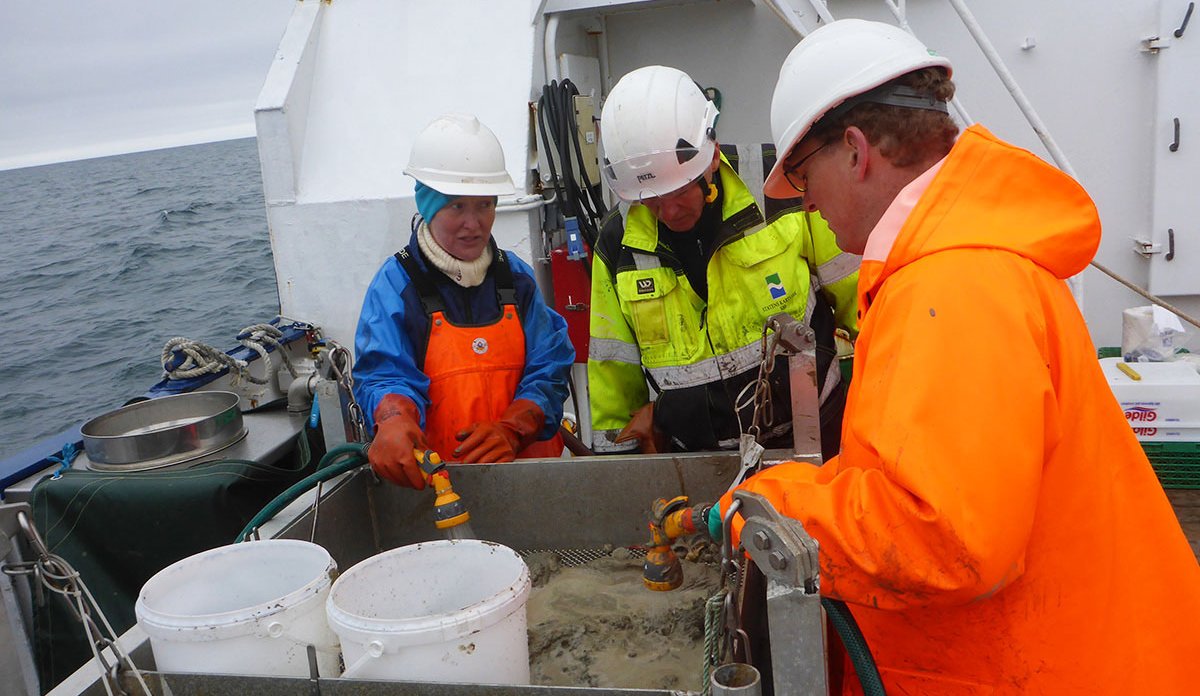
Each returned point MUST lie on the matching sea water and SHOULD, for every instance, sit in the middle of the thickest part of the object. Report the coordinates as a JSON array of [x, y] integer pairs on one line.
[[106, 259]]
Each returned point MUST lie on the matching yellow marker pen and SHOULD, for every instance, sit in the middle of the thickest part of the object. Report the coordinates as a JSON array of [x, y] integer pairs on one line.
[[1124, 367]]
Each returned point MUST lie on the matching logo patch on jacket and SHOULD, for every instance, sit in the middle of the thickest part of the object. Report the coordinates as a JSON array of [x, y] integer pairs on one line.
[[775, 285], [645, 286], [479, 345]]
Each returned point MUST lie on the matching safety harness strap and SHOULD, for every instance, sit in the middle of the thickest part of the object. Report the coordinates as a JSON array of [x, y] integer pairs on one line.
[[431, 299], [432, 302]]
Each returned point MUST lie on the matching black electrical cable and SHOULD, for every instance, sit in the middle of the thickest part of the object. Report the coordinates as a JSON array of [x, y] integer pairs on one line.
[[549, 112], [560, 136], [567, 94], [561, 113]]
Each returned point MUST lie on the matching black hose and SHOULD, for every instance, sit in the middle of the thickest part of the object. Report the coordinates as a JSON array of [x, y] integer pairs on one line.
[[856, 646], [560, 136]]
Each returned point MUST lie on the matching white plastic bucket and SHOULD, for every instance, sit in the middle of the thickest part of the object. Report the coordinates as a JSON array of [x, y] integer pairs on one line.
[[440, 611], [250, 608]]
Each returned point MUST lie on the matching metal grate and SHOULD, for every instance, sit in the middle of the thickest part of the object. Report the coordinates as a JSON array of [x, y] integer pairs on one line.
[[569, 558]]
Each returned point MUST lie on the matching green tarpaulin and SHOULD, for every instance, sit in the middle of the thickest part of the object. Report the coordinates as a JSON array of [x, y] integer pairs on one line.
[[119, 529]]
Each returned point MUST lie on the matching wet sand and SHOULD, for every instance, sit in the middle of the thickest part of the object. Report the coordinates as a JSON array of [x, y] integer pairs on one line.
[[597, 624]]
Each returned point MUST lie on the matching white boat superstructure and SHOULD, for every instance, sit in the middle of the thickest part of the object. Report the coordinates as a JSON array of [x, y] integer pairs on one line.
[[355, 80]]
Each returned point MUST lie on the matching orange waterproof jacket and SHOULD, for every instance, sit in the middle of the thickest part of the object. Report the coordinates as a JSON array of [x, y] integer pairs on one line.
[[992, 521]]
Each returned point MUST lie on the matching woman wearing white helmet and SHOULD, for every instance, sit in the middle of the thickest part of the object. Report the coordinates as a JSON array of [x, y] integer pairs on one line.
[[453, 332], [991, 520], [684, 281]]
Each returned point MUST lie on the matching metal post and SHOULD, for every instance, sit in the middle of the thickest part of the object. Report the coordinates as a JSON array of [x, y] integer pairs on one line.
[[787, 556], [798, 342], [736, 679]]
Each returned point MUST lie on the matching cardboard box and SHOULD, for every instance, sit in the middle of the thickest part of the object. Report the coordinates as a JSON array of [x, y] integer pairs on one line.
[[1162, 406]]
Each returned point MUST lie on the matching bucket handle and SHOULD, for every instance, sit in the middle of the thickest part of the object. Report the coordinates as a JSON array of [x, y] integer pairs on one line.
[[374, 650]]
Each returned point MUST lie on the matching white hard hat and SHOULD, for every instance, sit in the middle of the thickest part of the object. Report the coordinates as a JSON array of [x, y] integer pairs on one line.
[[657, 132], [459, 156], [840, 60]]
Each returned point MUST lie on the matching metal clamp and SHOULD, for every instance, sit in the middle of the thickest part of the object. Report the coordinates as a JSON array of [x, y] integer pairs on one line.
[[799, 343], [778, 545], [793, 336], [787, 557], [1146, 247]]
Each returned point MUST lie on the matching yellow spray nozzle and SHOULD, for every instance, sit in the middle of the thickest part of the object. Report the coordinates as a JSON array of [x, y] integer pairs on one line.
[[669, 520], [448, 508]]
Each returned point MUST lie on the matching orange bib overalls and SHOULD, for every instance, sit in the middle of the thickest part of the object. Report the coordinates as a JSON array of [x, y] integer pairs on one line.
[[473, 369]]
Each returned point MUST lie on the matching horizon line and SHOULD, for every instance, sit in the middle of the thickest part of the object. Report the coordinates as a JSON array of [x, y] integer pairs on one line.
[[128, 146]]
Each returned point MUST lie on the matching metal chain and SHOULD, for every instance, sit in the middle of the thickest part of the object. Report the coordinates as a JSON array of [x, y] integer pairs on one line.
[[340, 363], [722, 622], [764, 410], [732, 574]]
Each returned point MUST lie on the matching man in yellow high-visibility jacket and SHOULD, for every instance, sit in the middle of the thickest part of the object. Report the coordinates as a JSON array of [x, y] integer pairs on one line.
[[685, 278]]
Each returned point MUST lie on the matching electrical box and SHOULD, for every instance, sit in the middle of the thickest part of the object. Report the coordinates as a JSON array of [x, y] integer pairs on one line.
[[585, 130], [585, 123], [572, 295]]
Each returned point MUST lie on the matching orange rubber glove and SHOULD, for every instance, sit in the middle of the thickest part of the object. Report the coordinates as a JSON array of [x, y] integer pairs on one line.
[[502, 440], [397, 434], [641, 427]]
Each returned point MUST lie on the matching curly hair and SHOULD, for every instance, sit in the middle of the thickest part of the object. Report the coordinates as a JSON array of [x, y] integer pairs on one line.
[[904, 136]]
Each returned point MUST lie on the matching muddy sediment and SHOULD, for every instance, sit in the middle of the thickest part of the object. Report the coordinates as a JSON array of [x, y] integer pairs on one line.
[[597, 625]]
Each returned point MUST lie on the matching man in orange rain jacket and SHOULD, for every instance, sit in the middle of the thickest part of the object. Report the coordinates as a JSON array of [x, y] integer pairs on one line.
[[991, 521]]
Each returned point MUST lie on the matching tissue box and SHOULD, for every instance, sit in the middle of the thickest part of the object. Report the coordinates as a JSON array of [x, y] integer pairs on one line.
[[1164, 405]]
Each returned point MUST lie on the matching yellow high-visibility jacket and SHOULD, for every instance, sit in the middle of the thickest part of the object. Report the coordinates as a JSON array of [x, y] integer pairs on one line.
[[701, 355]]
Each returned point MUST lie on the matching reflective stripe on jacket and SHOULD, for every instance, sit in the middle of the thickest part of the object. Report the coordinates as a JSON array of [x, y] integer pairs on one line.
[[992, 521], [645, 313], [392, 327]]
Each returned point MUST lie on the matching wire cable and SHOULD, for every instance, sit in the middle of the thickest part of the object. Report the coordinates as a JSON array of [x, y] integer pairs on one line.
[[580, 198]]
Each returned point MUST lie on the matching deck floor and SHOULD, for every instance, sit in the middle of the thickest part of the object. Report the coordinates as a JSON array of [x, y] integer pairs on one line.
[[1187, 508]]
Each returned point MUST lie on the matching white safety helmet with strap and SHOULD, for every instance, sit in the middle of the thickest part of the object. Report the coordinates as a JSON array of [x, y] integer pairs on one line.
[[841, 60], [657, 133], [459, 156]]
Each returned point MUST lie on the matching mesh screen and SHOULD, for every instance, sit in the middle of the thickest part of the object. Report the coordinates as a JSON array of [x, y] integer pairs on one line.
[[570, 558]]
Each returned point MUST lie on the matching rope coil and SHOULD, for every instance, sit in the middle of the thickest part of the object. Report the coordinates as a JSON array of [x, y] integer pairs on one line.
[[201, 359]]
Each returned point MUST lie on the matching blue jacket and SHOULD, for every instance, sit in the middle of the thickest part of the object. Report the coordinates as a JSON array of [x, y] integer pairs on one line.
[[392, 321]]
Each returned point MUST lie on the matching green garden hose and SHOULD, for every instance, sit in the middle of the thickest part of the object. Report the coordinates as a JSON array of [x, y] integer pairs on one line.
[[351, 456], [856, 646]]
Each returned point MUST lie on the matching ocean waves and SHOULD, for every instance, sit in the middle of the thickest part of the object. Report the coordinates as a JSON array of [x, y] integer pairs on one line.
[[106, 259]]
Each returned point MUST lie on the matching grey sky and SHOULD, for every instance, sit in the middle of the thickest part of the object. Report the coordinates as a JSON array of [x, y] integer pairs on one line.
[[82, 79]]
